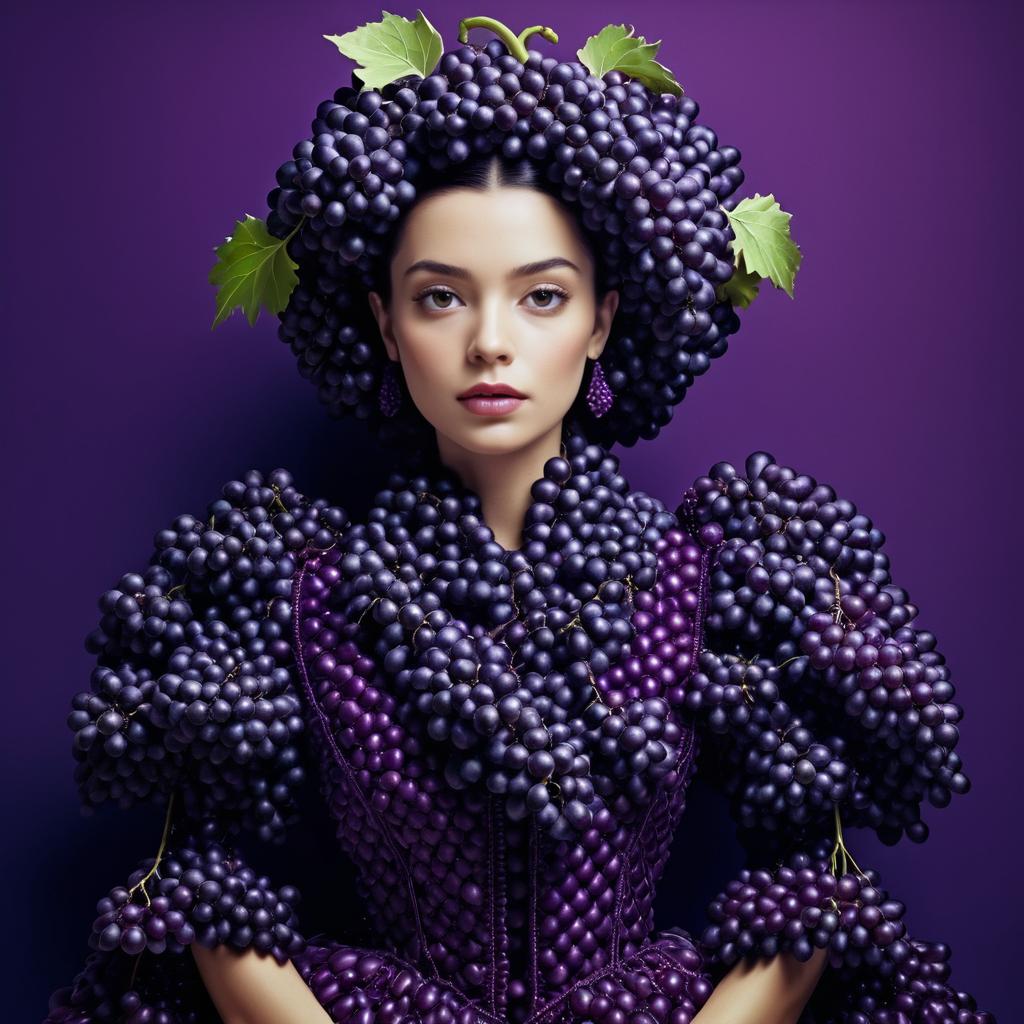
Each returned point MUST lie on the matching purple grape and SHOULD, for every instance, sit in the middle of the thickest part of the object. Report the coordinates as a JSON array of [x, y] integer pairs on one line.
[[531, 707], [875, 971], [801, 586], [646, 183], [120, 989]]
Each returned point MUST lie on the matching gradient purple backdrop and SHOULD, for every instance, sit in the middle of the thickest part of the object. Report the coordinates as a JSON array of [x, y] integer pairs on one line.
[[137, 134]]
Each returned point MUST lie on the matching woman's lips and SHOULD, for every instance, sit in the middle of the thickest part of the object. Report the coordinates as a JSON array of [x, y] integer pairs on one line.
[[491, 405]]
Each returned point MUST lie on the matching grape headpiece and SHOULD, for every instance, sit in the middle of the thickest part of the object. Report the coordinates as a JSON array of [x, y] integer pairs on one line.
[[616, 139]]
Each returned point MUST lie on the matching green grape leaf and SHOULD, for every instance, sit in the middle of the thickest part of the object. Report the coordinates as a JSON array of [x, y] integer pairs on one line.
[[615, 48], [741, 289], [763, 242], [253, 268], [391, 48]]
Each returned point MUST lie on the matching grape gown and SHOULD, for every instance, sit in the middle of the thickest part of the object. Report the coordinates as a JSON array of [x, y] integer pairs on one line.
[[492, 900]]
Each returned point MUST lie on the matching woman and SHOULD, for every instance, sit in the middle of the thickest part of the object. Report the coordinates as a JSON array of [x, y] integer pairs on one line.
[[508, 669]]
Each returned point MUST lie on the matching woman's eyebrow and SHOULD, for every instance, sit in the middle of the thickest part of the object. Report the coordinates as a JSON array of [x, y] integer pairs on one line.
[[525, 270]]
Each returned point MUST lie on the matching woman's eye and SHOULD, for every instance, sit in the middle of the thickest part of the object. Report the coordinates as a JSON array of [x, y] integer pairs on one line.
[[441, 298], [549, 295], [448, 296]]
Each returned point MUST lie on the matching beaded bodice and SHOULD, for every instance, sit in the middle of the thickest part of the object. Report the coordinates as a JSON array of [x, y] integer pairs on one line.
[[511, 918]]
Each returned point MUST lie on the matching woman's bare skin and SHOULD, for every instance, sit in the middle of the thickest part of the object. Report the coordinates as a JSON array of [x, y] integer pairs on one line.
[[250, 988], [769, 991]]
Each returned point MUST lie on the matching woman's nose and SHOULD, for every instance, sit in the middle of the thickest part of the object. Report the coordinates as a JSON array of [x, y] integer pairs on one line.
[[492, 334]]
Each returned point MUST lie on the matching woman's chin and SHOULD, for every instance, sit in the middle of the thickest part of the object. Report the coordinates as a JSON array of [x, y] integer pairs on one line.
[[492, 437]]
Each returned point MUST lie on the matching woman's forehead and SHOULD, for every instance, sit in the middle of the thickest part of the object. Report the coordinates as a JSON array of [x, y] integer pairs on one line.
[[495, 228]]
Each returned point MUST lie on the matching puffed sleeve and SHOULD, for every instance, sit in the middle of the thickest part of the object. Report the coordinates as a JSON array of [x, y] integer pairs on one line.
[[193, 704], [819, 704]]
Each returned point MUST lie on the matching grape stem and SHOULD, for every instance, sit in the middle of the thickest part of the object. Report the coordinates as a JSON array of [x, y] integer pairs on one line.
[[516, 45], [372, 603], [135, 967], [159, 855], [837, 608], [598, 697], [277, 491], [840, 850]]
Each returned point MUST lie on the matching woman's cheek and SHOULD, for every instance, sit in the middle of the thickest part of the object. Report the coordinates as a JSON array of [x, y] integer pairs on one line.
[[431, 374], [568, 370]]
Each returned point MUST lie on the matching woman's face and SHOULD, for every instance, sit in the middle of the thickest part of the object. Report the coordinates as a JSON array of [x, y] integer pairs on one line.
[[472, 304]]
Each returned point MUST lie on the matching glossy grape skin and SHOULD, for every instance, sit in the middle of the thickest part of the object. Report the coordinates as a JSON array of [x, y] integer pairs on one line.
[[653, 204], [726, 693], [648, 186], [203, 893], [195, 670], [531, 707], [802, 590], [874, 966]]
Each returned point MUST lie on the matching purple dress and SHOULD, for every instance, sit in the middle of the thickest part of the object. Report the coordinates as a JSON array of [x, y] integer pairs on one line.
[[754, 632], [490, 918]]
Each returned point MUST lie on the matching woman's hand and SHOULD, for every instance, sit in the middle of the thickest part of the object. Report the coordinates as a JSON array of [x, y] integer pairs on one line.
[[769, 991], [252, 988]]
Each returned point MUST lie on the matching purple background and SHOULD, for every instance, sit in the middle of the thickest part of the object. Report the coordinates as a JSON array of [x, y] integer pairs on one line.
[[137, 134]]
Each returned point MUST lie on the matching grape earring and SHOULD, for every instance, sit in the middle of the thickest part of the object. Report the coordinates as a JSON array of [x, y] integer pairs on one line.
[[599, 395], [390, 396]]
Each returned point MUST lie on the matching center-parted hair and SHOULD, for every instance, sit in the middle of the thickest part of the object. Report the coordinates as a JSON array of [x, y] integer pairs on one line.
[[645, 184]]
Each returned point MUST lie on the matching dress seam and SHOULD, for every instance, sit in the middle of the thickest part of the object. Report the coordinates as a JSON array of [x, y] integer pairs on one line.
[[492, 886], [501, 922], [681, 758], [534, 858], [703, 586], [346, 767]]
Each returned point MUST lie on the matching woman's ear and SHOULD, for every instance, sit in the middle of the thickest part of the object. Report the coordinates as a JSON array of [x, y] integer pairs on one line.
[[603, 318], [383, 318]]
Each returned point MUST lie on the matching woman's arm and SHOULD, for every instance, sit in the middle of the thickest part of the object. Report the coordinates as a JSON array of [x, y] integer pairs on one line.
[[250, 988], [769, 991]]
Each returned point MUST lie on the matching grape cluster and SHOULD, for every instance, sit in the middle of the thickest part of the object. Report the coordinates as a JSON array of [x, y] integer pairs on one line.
[[224, 711], [918, 992], [802, 613], [194, 690], [202, 728], [200, 892], [504, 659], [238, 562], [774, 769], [143, 618], [234, 565], [119, 755], [193, 700], [114, 988], [809, 903], [648, 185]]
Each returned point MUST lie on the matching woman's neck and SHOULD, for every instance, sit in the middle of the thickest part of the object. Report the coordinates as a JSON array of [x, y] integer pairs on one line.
[[502, 480]]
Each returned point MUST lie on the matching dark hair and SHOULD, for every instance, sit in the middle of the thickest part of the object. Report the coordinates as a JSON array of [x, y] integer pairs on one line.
[[481, 173], [643, 182]]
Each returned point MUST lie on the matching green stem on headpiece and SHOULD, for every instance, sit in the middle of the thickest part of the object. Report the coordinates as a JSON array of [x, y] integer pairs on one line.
[[543, 30], [516, 45]]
